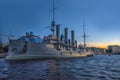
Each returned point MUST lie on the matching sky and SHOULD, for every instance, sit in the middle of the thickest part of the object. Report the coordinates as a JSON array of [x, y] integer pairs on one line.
[[102, 19]]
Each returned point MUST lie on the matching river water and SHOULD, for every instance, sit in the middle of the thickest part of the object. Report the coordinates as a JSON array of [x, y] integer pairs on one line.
[[99, 67]]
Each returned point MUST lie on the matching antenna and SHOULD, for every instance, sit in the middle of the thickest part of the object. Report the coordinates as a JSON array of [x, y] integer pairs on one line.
[[83, 26]]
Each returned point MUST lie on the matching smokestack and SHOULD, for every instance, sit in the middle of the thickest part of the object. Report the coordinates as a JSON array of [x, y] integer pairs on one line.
[[72, 37], [66, 35], [58, 35], [69, 43], [75, 44], [58, 32]]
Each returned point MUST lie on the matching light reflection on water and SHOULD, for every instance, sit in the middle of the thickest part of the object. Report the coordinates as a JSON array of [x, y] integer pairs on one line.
[[100, 67]]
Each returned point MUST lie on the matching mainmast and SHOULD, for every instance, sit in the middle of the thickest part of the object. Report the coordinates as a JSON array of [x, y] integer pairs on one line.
[[84, 34], [53, 21], [53, 9]]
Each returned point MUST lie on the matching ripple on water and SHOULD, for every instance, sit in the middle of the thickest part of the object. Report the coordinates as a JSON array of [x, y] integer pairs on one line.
[[100, 67], [3, 69]]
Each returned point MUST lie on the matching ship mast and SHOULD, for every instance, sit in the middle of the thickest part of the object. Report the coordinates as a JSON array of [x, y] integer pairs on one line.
[[84, 35], [0, 42], [53, 21], [0, 37]]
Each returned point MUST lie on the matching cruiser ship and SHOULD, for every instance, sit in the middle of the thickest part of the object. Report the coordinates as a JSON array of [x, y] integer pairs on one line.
[[30, 46]]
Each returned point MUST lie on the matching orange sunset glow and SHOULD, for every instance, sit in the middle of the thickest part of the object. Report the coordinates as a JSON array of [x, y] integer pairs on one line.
[[102, 45]]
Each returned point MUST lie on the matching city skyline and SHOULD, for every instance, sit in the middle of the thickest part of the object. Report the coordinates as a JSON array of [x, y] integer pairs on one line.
[[101, 18]]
